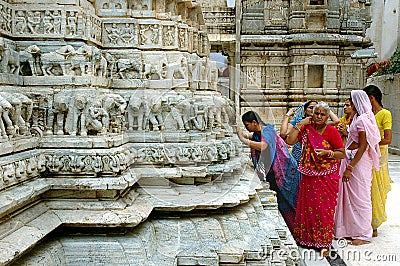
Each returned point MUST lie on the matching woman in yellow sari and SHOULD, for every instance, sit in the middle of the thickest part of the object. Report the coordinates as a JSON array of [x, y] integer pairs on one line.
[[380, 178]]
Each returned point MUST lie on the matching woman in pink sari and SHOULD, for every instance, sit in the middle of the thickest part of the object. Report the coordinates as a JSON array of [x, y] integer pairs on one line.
[[354, 209], [319, 164]]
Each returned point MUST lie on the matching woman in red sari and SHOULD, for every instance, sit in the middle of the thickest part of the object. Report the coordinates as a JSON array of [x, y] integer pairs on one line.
[[319, 164]]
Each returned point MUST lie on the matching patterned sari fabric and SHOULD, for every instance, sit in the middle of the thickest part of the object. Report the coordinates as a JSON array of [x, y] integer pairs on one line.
[[318, 188], [277, 166]]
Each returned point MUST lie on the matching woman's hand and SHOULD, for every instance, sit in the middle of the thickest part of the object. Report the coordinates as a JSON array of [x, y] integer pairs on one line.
[[343, 129], [346, 175], [290, 112], [305, 121], [321, 152], [243, 137]]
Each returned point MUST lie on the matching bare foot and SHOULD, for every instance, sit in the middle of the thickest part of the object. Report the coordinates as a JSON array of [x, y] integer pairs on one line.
[[375, 233], [358, 242]]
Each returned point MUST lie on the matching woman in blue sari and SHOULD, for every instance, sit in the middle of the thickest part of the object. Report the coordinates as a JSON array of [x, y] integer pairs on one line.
[[272, 162]]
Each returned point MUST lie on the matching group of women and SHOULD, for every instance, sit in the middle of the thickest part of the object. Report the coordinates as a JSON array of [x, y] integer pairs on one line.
[[334, 182]]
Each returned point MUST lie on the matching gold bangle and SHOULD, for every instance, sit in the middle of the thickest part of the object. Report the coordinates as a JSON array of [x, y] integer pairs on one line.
[[297, 128]]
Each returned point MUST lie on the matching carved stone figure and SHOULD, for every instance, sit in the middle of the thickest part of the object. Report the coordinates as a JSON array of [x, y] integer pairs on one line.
[[197, 114], [7, 128], [137, 111], [155, 66], [20, 170], [82, 60], [127, 33], [100, 64], [169, 35], [48, 22], [155, 115], [115, 106], [32, 166], [9, 59], [97, 120], [29, 60], [76, 117], [20, 22], [56, 21], [177, 69], [113, 33], [54, 63], [70, 112], [72, 21], [176, 113], [155, 34], [33, 21], [2, 17], [61, 105], [21, 108], [111, 64], [184, 107], [128, 68], [9, 173]]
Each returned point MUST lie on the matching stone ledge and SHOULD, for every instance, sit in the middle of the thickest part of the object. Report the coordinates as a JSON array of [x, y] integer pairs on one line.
[[245, 235], [227, 192], [37, 221], [30, 232]]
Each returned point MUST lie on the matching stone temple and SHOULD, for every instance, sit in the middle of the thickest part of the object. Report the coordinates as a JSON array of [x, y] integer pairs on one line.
[[116, 145]]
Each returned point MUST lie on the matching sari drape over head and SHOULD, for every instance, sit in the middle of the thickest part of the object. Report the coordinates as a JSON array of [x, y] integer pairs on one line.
[[354, 209]]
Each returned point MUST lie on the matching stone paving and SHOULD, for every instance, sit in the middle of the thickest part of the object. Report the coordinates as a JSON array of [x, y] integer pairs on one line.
[[384, 249]]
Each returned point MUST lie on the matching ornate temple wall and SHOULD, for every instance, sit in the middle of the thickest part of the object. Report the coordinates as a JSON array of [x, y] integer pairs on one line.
[[293, 51], [110, 118]]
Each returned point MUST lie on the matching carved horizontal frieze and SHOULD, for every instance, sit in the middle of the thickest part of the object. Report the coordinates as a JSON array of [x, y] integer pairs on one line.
[[39, 64], [92, 113], [21, 167], [217, 157], [69, 22], [116, 160]]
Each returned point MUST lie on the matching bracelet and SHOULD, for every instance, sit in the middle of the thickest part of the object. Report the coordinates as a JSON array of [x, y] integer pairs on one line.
[[287, 115], [297, 128], [351, 167], [331, 154]]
